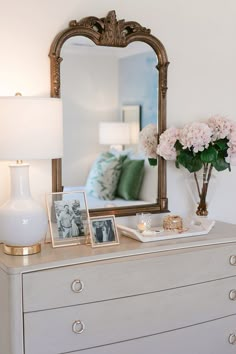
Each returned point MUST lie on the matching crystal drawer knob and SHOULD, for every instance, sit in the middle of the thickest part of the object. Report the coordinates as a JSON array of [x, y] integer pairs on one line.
[[232, 260], [232, 295], [77, 286], [78, 327], [232, 338]]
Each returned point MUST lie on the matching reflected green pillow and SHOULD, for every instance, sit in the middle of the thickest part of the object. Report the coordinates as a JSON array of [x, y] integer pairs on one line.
[[104, 176], [131, 179]]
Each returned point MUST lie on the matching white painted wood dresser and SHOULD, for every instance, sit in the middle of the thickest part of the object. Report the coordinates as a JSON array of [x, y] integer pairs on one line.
[[169, 297]]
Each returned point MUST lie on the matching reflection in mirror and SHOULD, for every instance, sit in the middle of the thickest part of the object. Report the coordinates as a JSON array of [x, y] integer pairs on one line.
[[105, 85], [108, 72], [131, 115]]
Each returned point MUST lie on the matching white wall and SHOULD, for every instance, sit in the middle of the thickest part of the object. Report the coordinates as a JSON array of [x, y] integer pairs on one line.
[[199, 37]]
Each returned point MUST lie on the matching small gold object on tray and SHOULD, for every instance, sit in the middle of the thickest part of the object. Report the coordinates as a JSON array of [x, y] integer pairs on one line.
[[173, 222]]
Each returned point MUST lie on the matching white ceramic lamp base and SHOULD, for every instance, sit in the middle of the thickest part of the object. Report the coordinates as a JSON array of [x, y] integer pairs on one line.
[[23, 221]]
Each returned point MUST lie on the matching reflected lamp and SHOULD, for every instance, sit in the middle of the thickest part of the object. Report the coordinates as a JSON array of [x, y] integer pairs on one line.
[[31, 128], [115, 134]]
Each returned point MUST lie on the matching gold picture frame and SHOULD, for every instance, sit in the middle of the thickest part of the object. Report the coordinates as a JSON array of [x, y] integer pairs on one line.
[[68, 218], [103, 231]]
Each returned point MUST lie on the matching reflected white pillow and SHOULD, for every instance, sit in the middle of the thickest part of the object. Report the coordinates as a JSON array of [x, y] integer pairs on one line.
[[104, 176]]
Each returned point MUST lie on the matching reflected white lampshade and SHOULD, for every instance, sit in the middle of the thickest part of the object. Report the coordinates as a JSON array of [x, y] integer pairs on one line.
[[31, 128], [114, 134]]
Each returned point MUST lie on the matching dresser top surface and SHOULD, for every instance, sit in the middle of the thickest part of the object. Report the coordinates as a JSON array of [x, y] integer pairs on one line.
[[222, 233]]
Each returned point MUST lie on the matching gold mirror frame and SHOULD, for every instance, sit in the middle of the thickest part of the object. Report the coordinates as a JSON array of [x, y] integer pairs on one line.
[[108, 31]]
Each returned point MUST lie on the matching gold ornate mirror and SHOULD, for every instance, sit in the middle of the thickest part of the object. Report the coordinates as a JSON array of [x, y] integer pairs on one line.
[[85, 44]]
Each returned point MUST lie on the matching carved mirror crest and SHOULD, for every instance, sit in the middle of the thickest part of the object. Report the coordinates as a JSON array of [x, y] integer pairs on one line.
[[105, 33]]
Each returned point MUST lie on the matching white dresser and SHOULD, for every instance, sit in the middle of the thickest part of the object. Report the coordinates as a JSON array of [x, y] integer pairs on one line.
[[168, 297]]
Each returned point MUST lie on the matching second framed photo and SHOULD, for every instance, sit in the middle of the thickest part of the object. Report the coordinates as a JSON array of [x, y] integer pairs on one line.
[[103, 231], [68, 218]]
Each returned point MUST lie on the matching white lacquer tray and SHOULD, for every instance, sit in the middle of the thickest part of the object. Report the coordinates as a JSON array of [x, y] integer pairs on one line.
[[194, 228]]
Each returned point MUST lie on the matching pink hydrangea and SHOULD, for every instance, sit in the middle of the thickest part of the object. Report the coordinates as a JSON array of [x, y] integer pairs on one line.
[[220, 127], [148, 141], [231, 152], [167, 142], [196, 136]]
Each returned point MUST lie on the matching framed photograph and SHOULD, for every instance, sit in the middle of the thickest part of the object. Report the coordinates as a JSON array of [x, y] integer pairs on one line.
[[68, 218], [132, 114], [103, 231]]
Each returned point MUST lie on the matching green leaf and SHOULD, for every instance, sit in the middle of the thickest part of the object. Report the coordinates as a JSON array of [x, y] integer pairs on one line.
[[196, 164], [220, 164], [178, 146], [152, 162], [189, 160], [209, 155], [222, 144], [185, 157]]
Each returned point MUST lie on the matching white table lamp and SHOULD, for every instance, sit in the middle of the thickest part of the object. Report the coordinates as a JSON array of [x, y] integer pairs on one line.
[[31, 128], [115, 134]]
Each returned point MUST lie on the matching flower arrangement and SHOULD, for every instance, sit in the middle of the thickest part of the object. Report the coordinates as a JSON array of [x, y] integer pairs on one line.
[[148, 143], [197, 146]]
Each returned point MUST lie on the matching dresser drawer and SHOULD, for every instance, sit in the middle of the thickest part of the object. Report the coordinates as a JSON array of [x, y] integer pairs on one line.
[[207, 338], [122, 277], [111, 321]]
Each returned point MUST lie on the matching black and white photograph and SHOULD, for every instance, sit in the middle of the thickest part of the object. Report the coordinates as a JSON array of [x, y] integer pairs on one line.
[[104, 231], [68, 218]]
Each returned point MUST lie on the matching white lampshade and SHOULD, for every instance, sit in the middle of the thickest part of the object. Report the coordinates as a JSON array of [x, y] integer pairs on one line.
[[31, 128], [114, 133]]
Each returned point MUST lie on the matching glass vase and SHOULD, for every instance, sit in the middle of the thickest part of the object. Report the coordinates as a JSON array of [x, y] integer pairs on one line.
[[201, 185]]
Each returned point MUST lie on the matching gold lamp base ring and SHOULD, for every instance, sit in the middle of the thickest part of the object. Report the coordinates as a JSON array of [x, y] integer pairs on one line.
[[21, 250]]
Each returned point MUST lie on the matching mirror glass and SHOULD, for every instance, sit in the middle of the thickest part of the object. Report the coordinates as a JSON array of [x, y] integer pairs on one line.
[[103, 85]]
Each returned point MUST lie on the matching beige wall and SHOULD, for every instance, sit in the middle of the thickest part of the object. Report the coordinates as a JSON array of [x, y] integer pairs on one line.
[[199, 37]]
